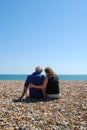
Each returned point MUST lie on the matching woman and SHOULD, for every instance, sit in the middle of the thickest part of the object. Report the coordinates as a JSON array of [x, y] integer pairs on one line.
[[50, 86]]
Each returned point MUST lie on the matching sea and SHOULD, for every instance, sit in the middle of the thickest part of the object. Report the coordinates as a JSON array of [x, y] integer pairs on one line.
[[24, 76]]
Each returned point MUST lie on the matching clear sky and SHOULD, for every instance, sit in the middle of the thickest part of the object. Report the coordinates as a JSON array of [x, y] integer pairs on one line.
[[43, 32]]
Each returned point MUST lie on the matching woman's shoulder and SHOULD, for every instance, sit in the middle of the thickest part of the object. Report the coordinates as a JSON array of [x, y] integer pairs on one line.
[[54, 78]]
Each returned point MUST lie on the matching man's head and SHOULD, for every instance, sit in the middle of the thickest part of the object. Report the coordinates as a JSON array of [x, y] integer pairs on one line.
[[38, 69]]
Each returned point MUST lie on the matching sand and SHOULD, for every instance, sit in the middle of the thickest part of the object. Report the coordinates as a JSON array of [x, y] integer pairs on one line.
[[67, 113]]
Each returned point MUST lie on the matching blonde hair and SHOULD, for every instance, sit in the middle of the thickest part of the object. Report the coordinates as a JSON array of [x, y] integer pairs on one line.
[[49, 71]]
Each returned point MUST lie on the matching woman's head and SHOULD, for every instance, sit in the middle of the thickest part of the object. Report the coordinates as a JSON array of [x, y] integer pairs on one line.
[[49, 71]]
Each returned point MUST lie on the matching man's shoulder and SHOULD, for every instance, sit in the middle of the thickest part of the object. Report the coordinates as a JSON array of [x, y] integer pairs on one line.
[[28, 77], [36, 75], [42, 76]]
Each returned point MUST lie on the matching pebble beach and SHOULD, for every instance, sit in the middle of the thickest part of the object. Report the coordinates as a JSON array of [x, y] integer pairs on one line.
[[67, 113]]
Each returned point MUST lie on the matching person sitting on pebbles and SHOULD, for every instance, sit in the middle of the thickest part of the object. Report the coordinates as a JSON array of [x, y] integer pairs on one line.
[[35, 78]]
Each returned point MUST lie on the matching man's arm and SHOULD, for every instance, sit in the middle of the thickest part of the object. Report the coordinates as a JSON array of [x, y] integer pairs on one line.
[[25, 86], [24, 91]]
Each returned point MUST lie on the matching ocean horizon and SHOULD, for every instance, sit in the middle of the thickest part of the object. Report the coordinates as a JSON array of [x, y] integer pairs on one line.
[[61, 77]]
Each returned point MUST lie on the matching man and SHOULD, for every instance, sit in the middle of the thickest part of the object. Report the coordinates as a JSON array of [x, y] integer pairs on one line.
[[35, 78]]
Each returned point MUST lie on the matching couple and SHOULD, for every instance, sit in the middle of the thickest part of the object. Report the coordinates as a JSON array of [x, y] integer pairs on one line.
[[40, 86]]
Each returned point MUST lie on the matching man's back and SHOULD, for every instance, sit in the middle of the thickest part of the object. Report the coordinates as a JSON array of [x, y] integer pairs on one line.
[[36, 79]]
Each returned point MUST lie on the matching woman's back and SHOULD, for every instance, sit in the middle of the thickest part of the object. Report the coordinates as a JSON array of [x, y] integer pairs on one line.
[[53, 85]]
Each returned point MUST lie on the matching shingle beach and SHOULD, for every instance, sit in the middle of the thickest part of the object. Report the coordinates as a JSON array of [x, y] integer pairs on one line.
[[67, 113]]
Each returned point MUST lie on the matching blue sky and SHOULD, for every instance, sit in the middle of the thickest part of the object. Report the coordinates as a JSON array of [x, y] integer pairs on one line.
[[43, 32]]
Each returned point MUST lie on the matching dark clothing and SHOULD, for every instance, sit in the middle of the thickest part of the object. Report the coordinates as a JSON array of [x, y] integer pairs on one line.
[[36, 79], [53, 85]]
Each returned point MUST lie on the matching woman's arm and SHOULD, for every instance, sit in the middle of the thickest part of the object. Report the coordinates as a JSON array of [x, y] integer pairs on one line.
[[39, 86]]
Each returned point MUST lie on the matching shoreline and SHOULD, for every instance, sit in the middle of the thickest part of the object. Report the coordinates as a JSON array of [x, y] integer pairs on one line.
[[68, 112]]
